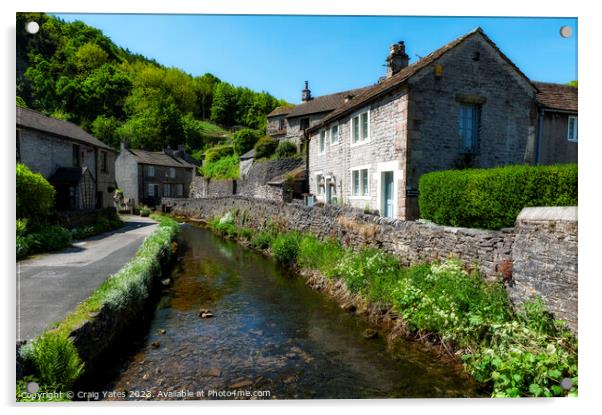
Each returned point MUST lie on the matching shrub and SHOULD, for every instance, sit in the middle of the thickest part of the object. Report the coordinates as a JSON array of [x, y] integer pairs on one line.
[[493, 198], [224, 168], [56, 361], [285, 247], [265, 147], [35, 196], [103, 225], [145, 212], [316, 254], [218, 152], [21, 227], [285, 149], [262, 240], [244, 140], [49, 238]]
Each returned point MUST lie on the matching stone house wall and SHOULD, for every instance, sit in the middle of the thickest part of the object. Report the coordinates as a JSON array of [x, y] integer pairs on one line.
[[126, 173], [538, 256], [183, 176], [294, 133]]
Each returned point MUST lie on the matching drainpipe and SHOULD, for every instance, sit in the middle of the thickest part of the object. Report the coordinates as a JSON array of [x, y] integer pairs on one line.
[[307, 176], [539, 135]]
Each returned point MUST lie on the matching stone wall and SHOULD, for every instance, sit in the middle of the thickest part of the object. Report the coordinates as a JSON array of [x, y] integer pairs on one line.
[[77, 218], [544, 254], [545, 259], [253, 184]]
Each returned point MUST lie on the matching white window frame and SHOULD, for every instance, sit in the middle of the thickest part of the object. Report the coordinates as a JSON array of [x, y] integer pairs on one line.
[[358, 115], [574, 139], [150, 171], [319, 190], [322, 141], [179, 190], [166, 189], [172, 172], [364, 193], [338, 134]]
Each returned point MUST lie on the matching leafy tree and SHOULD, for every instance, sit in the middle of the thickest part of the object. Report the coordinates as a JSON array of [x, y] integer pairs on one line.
[[223, 107], [21, 102], [244, 140], [265, 147], [90, 56], [105, 129], [574, 83]]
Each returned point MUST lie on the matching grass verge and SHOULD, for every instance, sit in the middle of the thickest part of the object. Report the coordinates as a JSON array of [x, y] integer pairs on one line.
[[523, 352], [52, 357]]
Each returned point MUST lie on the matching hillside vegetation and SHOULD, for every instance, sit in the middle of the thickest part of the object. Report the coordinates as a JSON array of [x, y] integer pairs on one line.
[[74, 72]]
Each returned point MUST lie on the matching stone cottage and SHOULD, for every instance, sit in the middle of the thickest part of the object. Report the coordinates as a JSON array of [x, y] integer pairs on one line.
[[463, 105], [557, 130], [78, 165], [147, 176], [290, 123]]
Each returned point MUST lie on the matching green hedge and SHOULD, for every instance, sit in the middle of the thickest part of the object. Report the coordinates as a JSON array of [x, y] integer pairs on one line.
[[218, 152], [35, 196], [493, 198]]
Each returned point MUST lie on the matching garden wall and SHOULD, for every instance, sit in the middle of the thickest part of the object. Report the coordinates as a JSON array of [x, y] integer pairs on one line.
[[414, 241], [78, 218]]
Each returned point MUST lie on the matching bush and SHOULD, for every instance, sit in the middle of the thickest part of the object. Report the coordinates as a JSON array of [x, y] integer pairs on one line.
[[35, 196], [493, 198], [49, 238], [225, 168], [145, 212], [103, 225], [265, 147], [244, 140], [319, 255], [56, 361], [218, 152], [285, 247], [262, 240], [285, 149]]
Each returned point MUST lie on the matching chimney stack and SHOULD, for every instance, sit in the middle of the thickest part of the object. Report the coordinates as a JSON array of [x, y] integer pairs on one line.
[[306, 93], [397, 59]]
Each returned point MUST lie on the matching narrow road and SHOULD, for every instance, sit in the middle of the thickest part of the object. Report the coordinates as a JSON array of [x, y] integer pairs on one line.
[[51, 285]]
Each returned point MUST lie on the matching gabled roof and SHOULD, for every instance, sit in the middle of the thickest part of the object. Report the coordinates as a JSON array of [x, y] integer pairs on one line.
[[159, 158], [324, 103], [282, 110], [36, 120], [381, 88], [557, 96]]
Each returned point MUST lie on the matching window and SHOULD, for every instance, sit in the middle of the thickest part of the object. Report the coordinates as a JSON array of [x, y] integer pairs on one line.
[[360, 127], [179, 190], [150, 171], [172, 172], [470, 118], [572, 130], [104, 167], [166, 190], [320, 184], [151, 189], [322, 141], [281, 124], [76, 156], [359, 182], [304, 123], [334, 134]]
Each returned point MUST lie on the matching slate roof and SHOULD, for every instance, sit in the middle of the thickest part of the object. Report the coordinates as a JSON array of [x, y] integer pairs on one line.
[[324, 103], [159, 158], [557, 96], [381, 88], [35, 120], [282, 110]]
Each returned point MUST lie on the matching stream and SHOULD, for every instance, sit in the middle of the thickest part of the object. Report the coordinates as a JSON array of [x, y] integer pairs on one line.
[[270, 337]]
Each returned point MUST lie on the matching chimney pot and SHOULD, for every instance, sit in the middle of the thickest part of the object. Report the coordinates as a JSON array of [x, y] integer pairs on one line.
[[306, 93], [397, 59]]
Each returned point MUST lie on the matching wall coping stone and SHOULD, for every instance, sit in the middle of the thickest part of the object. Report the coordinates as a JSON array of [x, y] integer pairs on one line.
[[559, 213]]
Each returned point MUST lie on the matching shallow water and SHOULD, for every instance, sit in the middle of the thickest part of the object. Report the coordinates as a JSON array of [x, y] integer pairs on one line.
[[271, 336]]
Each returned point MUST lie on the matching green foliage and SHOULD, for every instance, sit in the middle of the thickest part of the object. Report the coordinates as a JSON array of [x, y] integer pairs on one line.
[[244, 140], [21, 227], [265, 147], [285, 247], [21, 102], [574, 83], [56, 361], [47, 239], [35, 196], [493, 198], [285, 149], [75, 72], [320, 255], [103, 225], [44, 394], [262, 240], [224, 168], [145, 212], [218, 152]]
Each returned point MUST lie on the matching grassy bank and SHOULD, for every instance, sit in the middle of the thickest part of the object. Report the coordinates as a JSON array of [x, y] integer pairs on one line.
[[52, 358], [522, 352]]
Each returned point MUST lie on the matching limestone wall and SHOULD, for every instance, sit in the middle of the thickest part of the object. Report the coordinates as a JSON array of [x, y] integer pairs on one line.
[[544, 254]]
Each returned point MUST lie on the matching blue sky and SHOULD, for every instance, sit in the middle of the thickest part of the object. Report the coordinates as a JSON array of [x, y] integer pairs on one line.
[[334, 53]]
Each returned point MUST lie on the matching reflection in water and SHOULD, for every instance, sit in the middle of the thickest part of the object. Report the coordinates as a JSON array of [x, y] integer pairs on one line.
[[270, 332]]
